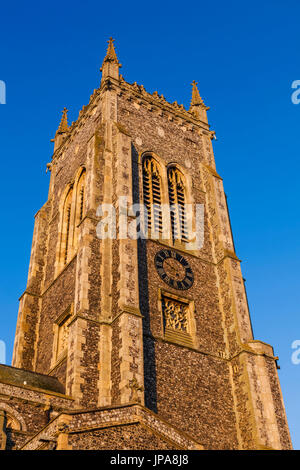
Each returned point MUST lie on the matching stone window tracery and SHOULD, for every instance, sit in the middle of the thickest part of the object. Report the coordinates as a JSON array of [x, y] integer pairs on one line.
[[178, 319], [175, 315]]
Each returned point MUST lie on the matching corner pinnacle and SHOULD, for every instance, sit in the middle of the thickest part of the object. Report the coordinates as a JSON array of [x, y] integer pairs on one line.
[[63, 127], [111, 55], [197, 107], [196, 98]]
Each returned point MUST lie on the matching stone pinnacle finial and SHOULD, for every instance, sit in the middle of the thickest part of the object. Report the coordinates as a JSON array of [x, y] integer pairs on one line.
[[111, 55], [197, 107], [196, 98], [62, 130], [63, 127]]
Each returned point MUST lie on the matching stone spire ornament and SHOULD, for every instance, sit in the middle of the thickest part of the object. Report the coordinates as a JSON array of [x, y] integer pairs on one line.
[[197, 107], [62, 130], [110, 66], [63, 127], [196, 98]]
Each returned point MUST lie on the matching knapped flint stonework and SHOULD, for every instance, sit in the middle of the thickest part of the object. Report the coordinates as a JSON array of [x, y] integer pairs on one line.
[[97, 364]]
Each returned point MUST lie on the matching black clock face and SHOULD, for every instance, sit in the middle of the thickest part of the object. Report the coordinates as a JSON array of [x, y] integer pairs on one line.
[[174, 269]]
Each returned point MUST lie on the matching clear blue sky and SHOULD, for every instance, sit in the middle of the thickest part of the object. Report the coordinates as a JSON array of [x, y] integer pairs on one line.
[[245, 57]]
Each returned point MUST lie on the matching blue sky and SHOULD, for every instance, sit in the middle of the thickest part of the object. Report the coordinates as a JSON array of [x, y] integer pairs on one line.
[[244, 57]]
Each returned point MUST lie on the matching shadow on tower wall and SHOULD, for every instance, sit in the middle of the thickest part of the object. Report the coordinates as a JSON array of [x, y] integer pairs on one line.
[[148, 339]]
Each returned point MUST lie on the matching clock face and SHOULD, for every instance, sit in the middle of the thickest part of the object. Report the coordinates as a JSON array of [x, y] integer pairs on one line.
[[174, 269]]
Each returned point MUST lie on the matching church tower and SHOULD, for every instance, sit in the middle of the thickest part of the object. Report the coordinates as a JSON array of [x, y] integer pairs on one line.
[[137, 342]]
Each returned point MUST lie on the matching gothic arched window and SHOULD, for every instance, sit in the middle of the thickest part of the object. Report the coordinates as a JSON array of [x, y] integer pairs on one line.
[[177, 200], [152, 194]]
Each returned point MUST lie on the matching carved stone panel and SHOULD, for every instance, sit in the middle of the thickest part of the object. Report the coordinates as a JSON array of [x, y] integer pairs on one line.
[[178, 321]]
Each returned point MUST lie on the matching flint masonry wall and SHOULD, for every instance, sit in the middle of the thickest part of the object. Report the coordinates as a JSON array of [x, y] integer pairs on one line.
[[139, 437], [175, 375]]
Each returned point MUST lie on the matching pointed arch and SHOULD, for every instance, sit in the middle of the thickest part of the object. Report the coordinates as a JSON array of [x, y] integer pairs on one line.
[[14, 419], [72, 210], [177, 201], [152, 193]]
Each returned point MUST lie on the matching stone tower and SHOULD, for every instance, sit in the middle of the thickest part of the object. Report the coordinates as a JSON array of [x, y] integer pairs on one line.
[[128, 342]]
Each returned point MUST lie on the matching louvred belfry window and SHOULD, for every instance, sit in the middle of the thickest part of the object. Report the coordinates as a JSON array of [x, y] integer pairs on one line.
[[152, 194], [177, 200]]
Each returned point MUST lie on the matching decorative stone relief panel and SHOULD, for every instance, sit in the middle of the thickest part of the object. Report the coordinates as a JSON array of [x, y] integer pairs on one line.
[[178, 319], [175, 315]]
